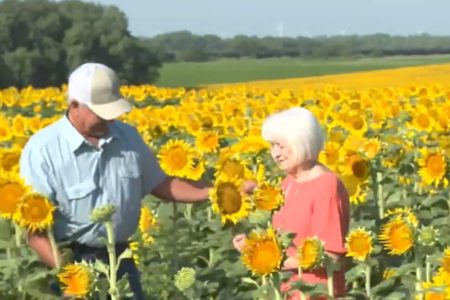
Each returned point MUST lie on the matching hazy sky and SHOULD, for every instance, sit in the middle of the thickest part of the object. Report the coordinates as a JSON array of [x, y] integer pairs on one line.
[[227, 18]]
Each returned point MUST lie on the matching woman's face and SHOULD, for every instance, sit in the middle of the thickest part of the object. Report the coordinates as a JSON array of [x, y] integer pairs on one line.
[[283, 155]]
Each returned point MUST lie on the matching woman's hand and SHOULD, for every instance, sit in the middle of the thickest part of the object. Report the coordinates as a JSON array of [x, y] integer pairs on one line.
[[290, 263], [239, 242], [248, 186]]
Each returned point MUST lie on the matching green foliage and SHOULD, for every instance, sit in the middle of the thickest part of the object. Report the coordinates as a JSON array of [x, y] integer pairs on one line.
[[22, 275], [192, 74], [42, 41]]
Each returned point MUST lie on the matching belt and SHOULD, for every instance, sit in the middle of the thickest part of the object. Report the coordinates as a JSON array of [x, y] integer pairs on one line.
[[82, 249]]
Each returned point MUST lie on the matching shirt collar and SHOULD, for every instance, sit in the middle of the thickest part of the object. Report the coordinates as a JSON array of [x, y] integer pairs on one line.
[[76, 140], [73, 137]]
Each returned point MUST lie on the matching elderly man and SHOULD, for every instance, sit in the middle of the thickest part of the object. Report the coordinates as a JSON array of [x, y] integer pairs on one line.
[[86, 160]]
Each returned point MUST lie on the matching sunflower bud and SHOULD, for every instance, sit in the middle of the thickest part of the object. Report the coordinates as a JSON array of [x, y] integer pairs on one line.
[[103, 214], [311, 253], [259, 217], [428, 235], [185, 278]]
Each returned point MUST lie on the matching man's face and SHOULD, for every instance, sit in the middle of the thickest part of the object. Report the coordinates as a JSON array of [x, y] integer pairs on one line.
[[87, 122]]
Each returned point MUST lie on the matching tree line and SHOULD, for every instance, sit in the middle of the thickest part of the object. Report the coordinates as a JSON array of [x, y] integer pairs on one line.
[[186, 46]]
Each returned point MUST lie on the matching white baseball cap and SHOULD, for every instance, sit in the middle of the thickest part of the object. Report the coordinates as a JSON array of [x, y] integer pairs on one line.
[[97, 86]]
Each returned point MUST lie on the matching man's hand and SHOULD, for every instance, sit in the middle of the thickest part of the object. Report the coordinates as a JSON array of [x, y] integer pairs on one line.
[[40, 244], [239, 242], [249, 186]]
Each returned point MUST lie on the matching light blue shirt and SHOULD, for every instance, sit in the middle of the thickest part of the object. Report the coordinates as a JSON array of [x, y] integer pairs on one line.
[[78, 177]]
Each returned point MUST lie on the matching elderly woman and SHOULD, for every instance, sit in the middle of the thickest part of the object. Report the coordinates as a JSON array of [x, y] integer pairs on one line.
[[316, 201]]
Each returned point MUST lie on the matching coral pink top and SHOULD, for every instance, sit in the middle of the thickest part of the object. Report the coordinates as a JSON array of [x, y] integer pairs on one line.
[[318, 207]]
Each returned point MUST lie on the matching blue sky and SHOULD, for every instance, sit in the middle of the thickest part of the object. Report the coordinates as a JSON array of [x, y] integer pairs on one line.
[[227, 18]]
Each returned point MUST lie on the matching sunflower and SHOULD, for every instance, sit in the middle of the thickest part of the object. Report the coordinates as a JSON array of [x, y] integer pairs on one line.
[[389, 273], [147, 222], [268, 197], [428, 236], [356, 189], [262, 253], [359, 244], [422, 120], [445, 262], [330, 155], [352, 143], [134, 247], [77, 280], [19, 125], [238, 126], [228, 200], [9, 158], [397, 236], [249, 144], [355, 123], [5, 130], [176, 158], [232, 166], [404, 212], [435, 291], [335, 135], [443, 122], [356, 166], [207, 141], [311, 253], [433, 167], [12, 191], [35, 212], [378, 117], [371, 148], [195, 173]]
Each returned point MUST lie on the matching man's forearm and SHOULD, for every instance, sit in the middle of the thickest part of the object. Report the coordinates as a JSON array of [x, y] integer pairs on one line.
[[181, 190], [43, 248]]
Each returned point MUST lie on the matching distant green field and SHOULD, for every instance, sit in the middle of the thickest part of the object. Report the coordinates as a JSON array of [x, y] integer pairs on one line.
[[240, 70]]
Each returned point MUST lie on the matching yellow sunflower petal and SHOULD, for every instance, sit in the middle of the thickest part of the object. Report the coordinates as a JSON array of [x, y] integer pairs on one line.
[[262, 253]]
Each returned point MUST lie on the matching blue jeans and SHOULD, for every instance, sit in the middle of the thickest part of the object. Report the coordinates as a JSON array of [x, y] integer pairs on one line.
[[127, 266]]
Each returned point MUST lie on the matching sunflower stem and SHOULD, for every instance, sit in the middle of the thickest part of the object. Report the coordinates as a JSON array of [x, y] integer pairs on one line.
[[188, 211], [355, 285], [18, 235], [275, 283], [264, 286], [8, 253], [103, 296], [209, 215], [54, 246], [330, 268], [448, 204], [405, 194], [113, 291], [330, 283], [419, 277], [174, 238], [427, 268], [380, 196], [368, 271]]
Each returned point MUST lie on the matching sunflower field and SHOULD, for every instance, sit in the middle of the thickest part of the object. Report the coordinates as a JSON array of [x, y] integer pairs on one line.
[[390, 146]]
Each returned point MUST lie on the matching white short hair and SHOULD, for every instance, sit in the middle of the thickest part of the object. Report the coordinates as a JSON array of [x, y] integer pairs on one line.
[[300, 128]]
